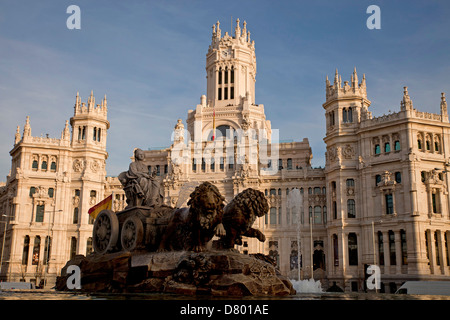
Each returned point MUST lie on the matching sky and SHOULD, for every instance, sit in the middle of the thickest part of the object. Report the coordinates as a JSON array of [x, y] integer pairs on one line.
[[149, 58]]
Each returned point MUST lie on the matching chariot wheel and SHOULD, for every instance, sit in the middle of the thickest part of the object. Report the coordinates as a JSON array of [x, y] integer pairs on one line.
[[106, 232], [132, 233]]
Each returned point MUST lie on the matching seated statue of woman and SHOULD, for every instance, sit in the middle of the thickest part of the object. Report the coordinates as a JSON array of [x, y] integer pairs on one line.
[[141, 188]]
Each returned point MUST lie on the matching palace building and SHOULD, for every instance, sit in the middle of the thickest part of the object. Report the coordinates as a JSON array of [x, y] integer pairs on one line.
[[381, 199]]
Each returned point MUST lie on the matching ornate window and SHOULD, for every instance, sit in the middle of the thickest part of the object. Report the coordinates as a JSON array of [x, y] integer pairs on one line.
[[351, 210], [377, 149], [352, 249], [397, 146], [389, 203], [40, 209], [289, 164], [36, 250], [335, 250], [392, 255], [73, 247], [317, 215], [380, 248], [26, 250], [403, 247], [35, 165], [75, 215]]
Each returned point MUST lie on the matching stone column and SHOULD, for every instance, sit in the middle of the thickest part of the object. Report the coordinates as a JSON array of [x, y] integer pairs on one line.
[[441, 246], [431, 251], [398, 252]]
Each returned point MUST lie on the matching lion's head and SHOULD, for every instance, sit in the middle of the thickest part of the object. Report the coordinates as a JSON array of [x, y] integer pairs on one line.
[[251, 202], [206, 204]]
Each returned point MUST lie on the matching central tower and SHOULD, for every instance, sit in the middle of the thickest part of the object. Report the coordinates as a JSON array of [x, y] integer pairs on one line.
[[230, 67]]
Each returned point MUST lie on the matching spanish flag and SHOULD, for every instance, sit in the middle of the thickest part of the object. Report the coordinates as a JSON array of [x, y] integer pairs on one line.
[[105, 204]]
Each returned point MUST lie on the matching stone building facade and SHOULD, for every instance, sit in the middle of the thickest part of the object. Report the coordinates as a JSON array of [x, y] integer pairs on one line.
[[51, 186], [381, 199]]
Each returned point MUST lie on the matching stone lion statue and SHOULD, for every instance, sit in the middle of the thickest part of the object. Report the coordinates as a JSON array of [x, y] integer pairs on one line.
[[192, 228], [239, 216]]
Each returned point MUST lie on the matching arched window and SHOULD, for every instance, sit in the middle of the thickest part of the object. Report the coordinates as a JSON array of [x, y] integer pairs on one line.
[[44, 165], [273, 215], [377, 179], [226, 76], [34, 165], [344, 115], [53, 166], [75, 216], [73, 247], [398, 177], [220, 77], [32, 191], [352, 249], [289, 164], [317, 215], [380, 248], [392, 256], [51, 192], [334, 210], [350, 115], [36, 250], [335, 250], [403, 247], [26, 250], [389, 203], [387, 147], [89, 248], [99, 134], [350, 183], [94, 135], [232, 75], [397, 146], [377, 149], [351, 211]]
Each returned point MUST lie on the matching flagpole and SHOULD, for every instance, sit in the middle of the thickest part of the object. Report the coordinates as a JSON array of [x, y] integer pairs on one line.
[[214, 123]]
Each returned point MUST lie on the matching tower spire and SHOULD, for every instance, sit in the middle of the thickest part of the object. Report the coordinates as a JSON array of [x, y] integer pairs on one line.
[[355, 79], [406, 103], [444, 112]]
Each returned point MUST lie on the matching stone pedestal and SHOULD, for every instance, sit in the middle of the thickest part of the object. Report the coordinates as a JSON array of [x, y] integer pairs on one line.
[[216, 273]]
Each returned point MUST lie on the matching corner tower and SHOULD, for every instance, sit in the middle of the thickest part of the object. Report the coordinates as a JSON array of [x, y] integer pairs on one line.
[[89, 123]]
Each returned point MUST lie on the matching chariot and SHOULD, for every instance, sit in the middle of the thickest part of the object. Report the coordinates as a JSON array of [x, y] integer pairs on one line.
[[135, 228]]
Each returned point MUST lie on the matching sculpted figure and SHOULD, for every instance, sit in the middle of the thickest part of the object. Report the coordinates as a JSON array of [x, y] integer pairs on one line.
[[192, 228], [141, 188], [239, 216]]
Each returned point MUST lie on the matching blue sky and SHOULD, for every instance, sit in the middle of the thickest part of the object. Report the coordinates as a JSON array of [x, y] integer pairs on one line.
[[148, 57]]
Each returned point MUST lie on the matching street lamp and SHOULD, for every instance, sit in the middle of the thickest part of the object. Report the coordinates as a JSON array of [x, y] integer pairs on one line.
[[47, 258]]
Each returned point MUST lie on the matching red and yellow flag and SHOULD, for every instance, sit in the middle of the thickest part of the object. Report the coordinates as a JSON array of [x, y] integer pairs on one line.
[[105, 204]]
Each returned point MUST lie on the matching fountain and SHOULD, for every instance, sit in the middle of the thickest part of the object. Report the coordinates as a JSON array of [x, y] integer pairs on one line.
[[295, 204], [153, 247]]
